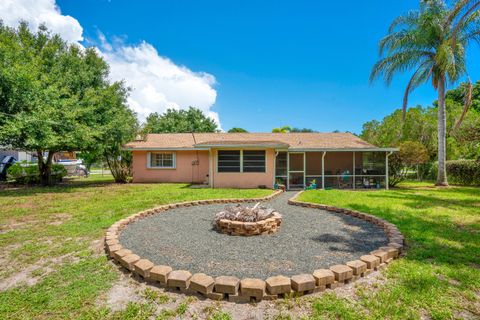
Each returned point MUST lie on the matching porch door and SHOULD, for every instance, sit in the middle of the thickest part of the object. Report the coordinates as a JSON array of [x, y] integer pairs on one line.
[[296, 170]]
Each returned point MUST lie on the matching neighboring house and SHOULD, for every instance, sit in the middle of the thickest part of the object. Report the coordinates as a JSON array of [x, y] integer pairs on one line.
[[252, 160], [19, 155]]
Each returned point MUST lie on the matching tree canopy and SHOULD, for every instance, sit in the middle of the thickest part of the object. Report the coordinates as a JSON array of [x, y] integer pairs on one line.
[[420, 125], [236, 129], [431, 43], [190, 120], [55, 96]]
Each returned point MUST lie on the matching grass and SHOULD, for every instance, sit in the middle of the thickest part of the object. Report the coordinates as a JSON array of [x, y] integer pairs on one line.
[[55, 233], [440, 276], [59, 229]]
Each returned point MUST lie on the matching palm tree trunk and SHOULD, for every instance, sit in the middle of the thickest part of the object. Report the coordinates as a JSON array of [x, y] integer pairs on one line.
[[442, 129]]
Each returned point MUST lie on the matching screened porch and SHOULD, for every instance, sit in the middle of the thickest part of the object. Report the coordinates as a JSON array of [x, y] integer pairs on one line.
[[332, 169]]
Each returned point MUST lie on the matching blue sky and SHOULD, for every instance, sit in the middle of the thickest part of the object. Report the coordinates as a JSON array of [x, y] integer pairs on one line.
[[301, 63]]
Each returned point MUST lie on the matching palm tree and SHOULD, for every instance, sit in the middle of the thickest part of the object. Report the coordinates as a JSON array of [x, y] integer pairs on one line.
[[431, 42]]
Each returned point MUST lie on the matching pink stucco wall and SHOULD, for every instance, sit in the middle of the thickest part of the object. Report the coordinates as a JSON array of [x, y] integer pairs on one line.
[[184, 171], [244, 179]]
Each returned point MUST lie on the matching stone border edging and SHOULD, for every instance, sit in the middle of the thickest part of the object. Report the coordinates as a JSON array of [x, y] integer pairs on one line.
[[236, 290]]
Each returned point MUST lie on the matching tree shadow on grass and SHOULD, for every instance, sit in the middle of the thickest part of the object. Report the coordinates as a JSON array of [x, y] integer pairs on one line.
[[64, 187]]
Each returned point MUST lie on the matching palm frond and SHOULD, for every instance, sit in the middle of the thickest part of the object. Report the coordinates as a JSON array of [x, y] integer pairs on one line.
[[420, 76], [409, 19], [399, 62], [457, 26]]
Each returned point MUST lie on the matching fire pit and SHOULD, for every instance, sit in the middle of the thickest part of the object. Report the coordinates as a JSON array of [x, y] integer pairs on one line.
[[247, 221]]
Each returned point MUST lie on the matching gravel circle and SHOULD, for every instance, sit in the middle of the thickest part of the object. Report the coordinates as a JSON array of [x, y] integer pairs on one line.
[[308, 239]]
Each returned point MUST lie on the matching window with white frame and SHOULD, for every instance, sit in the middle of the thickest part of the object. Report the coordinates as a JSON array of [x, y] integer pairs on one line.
[[162, 160]]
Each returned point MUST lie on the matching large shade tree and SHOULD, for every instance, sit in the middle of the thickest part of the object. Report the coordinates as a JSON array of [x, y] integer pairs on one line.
[[175, 121], [431, 42], [55, 96]]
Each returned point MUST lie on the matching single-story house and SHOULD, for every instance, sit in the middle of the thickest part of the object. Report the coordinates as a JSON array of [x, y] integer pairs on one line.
[[252, 160]]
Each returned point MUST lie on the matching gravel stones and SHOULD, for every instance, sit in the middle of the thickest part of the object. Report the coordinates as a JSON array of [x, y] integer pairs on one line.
[[308, 239]]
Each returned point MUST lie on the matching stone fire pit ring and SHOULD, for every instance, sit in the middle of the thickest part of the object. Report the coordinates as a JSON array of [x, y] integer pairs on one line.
[[239, 228], [247, 289]]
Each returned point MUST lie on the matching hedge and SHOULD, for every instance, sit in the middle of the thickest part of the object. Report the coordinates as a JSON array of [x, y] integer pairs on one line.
[[464, 172], [24, 173]]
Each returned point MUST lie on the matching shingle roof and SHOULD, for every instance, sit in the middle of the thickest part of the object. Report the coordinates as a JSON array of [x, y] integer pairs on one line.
[[293, 140]]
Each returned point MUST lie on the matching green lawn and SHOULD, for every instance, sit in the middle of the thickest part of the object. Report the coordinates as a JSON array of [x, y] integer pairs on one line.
[[440, 276], [55, 234], [53, 230]]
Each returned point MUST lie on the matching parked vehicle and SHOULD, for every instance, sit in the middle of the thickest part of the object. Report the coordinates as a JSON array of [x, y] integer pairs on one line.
[[74, 167], [7, 161]]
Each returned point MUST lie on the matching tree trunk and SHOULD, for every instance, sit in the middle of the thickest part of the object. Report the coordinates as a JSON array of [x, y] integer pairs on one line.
[[442, 129], [45, 167]]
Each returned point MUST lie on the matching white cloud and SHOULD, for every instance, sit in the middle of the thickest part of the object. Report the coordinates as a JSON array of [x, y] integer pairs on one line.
[[36, 12], [157, 83]]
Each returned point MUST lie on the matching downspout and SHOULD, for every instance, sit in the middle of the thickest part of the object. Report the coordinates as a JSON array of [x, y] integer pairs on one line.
[[323, 169], [386, 169], [275, 167], [196, 162]]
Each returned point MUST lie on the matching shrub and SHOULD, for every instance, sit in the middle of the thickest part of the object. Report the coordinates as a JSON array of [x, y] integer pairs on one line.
[[25, 173], [411, 155], [464, 172]]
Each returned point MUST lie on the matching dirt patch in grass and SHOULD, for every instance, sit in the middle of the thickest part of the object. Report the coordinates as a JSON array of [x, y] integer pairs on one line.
[[130, 290], [32, 274]]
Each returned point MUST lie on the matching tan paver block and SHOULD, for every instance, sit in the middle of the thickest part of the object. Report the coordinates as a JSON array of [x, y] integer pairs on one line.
[[117, 255], [397, 246], [227, 284], [278, 285], [323, 277], [392, 252], [129, 261], [235, 298], [342, 272], [202, 283], [215, 296], [112, 242], [160, 273], [383, 255], [179, 279], [303, 282], [357, 266], [252, 288], [333, 286], [371, 261], [143, 267], [114, 248], [319, 289]]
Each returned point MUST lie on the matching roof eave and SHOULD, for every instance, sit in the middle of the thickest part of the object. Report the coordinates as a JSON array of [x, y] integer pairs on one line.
[[242, 146], [163, 149], [344, 149]]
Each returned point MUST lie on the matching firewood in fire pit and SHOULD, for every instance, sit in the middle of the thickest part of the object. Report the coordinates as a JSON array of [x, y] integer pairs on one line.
[[245, 214]]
